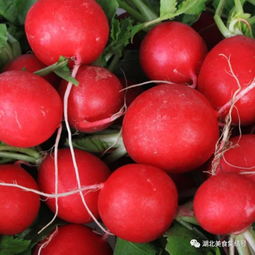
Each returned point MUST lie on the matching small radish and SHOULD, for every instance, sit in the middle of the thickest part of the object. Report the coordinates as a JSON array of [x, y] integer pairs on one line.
[[94, 103], [225, 204], [241, 157], [30, 63], [92, 171], [30, 109], [18, 208], [69, 28], [138, 202], [228, 73], [73, 239], [172, 51], [173, 127]]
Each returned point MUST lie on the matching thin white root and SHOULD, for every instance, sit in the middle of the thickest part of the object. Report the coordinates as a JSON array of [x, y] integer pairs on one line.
[[66, 96], [56, 177], [47, 241], [223, 143], [145, 83], [94, 187], [231, 246]]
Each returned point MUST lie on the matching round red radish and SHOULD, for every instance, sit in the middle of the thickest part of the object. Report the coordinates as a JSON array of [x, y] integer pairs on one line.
[[95, 100], [172, 127], [241, 157], [73, 239], [172, 51], [138, 202], [92, 171], [69, 28], [229, 66], [30, 63], [30, 109], [18, 208], [225, 203]]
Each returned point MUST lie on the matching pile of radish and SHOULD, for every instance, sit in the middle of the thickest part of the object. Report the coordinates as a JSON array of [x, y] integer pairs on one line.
[[126, 129]]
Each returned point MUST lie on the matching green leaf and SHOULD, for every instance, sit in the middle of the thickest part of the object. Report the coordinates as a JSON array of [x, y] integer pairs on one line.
[[128, 248], [179, 234], [109, 7], [10, 245], [191, 7], [91, 144], [167, 8], [15, 10], [9, 46]]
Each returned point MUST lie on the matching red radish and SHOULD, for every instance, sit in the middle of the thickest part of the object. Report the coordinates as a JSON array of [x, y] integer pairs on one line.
[[172, 51], [18, 207], [30, 109], [230, 66], [225, 203], [69, 28], [172, 127], [74, 239], [30, 63], [94, 102], [138, 202], [92, 171], [240, 158]]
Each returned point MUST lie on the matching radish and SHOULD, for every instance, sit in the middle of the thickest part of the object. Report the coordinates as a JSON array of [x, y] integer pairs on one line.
[[240, 158], [72, 238], [18, 208], [94, 103], [71, 28], [227, 74], [92, 171], [138, 202], [225, 204], [29, 62], [30, 109], [172, 51], [172, 127]]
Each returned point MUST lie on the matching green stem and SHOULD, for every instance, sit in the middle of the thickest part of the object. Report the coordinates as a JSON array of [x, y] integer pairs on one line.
[[238, 6], [28, 151], [250, 238], [217, 18], [52, 68], [114, 62], [242, 249], [18, 156], [134, 13], [152, 22], [145, 10], [251, 2]]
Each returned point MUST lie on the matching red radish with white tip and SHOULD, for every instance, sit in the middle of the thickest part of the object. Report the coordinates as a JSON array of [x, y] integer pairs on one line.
[[173, 127], [71, 28], [172, 51], [240, 157], [228, 75], [96, 101], [30, 109], [138, 202], [18, 208], [92, 171], [73, 238]]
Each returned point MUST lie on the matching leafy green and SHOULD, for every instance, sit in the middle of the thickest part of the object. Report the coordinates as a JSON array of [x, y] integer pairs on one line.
[[178, 234], [9, 46], [15, 11], [167, 8], [10, 245], [109, 7], [128, 248]]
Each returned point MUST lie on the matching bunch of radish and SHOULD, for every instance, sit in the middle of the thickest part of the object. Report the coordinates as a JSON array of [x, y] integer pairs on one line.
[[91, 165]]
